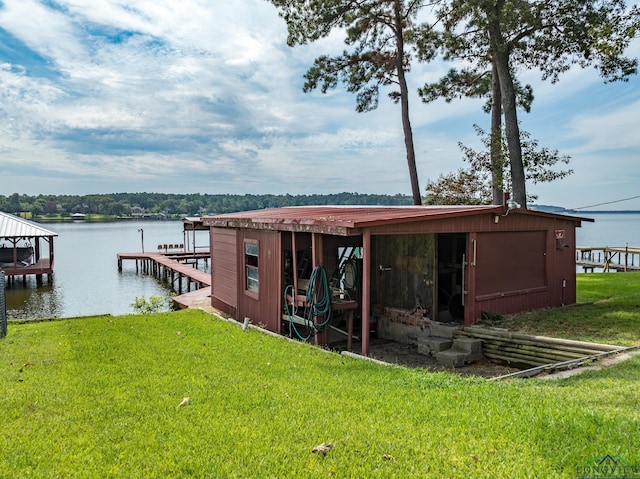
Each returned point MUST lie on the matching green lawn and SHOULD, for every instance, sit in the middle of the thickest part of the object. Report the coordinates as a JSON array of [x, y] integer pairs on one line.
[[98, 397], [608, 311]]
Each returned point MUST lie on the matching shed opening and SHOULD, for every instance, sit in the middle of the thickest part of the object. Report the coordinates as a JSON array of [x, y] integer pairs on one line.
[[451, 277]]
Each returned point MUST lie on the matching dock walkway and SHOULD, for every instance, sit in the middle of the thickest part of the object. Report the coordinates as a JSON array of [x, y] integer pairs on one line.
[[606, 258], [179, 270], [39, 268]]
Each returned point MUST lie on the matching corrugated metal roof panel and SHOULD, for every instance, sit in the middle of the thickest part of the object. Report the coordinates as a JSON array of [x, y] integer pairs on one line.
[[346, 216], [14, 227], [352, 217]]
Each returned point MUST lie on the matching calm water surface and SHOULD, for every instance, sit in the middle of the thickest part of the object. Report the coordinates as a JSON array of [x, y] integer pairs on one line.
[[610, 230], [87, 281]]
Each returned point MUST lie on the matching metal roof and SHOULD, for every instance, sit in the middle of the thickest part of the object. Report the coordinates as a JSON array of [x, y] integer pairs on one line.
[[352, 217], [343, 216], [193, 223], [14, 227]]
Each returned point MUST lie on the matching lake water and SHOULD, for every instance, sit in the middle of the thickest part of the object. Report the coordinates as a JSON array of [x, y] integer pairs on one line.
[[87, 281], [609, 230]]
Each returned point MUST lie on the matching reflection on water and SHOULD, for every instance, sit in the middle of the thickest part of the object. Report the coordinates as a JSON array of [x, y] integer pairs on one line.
[[32, 301], [86, 280]]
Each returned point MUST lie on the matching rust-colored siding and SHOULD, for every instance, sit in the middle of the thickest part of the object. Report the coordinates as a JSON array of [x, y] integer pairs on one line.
[[563, 264], [514, 260], [521, 269], [265, 307], [224, 270], [510, 261], [509, 247]]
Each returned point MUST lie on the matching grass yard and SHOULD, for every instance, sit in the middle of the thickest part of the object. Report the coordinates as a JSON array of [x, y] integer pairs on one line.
[[608, 311], [99, 397]]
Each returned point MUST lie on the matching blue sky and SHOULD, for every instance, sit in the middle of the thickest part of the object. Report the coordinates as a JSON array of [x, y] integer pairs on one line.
[[200, 96]]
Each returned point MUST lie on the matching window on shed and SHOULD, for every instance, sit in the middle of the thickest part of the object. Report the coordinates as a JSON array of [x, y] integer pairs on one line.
[[251, 265]]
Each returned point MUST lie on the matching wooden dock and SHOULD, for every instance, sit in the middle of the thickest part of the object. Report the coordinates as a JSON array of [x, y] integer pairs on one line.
[[606, 258], [177, 269], [39, 268]]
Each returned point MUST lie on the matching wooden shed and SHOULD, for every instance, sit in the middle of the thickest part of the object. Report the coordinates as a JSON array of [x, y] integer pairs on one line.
[[22, 248], [394, 268]]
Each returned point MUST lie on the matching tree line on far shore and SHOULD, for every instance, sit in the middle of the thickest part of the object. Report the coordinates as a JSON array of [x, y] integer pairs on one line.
[[171, 205]]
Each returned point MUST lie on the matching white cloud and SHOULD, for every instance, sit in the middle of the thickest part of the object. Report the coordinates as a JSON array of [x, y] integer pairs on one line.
[[612, 130], [117, 95]]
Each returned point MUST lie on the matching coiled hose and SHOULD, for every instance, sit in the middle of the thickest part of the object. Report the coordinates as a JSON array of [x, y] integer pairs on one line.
[[318, 304]]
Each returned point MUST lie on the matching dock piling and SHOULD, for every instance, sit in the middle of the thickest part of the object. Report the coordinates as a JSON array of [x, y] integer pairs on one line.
[[167, 267], [608, 258]]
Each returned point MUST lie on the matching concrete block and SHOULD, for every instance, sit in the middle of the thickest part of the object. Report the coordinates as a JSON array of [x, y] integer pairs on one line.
[[423, 347], [400, 333], [451, 358], [432, 345], [472, 347], [443, 330]]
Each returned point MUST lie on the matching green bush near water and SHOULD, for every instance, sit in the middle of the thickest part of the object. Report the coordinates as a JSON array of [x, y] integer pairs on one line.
[[154, 304], [100, 397]]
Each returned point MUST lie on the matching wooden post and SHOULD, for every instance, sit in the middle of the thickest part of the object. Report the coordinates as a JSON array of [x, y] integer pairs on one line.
[[626, 257], [366, 290], [294, 262]]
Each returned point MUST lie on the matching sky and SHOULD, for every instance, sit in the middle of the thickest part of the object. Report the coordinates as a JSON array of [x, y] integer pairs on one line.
[[204, 96]]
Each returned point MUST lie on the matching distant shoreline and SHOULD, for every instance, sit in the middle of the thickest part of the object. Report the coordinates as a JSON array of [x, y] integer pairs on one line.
[[568, 211], [602, 212]]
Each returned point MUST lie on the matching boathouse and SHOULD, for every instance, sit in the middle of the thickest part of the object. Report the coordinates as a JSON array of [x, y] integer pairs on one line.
[[26, 248], [394, 268]]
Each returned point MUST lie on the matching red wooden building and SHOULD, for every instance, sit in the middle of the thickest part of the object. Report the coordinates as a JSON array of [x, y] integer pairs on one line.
[[401, 266]]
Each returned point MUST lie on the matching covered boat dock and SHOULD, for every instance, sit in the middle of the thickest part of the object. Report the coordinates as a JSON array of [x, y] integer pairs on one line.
[[26, 248]]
